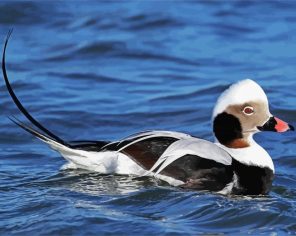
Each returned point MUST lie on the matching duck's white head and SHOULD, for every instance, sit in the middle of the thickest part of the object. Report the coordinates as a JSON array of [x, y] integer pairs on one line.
[[241, 111]]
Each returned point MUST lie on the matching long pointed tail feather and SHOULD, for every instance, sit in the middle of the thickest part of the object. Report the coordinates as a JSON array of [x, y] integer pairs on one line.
[[29, 129], [22, 108]]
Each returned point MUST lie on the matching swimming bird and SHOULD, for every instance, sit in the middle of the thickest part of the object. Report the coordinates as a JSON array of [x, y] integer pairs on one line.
[[233, 164]]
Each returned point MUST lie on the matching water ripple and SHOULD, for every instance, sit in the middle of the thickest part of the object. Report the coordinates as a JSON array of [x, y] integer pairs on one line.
[[104, 70]]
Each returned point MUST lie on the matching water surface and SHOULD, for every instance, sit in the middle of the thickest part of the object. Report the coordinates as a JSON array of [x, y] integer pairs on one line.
[[103, 70]]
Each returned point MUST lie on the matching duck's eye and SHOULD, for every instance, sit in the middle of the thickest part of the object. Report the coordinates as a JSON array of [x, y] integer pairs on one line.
[[248, 110]]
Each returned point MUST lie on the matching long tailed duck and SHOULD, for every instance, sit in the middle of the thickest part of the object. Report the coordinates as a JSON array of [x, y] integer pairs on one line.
[[234, 164]]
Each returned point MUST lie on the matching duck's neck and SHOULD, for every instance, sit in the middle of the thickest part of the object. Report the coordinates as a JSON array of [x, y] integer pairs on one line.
[[248, 152], [238, 143], [244, 140]]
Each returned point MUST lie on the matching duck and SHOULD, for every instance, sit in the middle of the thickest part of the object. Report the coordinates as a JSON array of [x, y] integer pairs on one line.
[[234, 164]]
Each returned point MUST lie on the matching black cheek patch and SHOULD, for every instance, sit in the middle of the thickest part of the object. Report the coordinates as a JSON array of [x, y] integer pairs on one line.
[[227, 128]]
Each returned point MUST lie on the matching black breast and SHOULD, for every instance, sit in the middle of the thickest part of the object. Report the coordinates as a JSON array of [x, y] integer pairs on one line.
[[253, 180]]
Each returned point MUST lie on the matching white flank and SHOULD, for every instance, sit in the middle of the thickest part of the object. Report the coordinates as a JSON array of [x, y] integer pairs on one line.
[[229, 187]]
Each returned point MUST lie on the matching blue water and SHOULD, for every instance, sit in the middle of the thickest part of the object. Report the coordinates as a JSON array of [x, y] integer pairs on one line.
[[103, 70]]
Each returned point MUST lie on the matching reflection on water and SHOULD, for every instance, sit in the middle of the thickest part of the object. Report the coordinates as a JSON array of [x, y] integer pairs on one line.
[[96, 184]]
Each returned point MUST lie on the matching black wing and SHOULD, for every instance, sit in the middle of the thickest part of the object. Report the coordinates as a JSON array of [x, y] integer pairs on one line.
[[203, 174]]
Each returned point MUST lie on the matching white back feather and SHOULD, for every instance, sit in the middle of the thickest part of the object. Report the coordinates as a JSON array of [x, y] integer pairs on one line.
[[153, 134], [192, 146]]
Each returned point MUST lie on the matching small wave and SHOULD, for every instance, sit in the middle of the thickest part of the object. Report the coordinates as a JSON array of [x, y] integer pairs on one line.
[[150, 24], [20, 13], [101, 47], [216, 89], [88, 76], [90, 49]]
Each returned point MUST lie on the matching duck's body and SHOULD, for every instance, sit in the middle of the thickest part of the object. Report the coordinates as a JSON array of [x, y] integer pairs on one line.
[[178, 159], [234, 164]]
